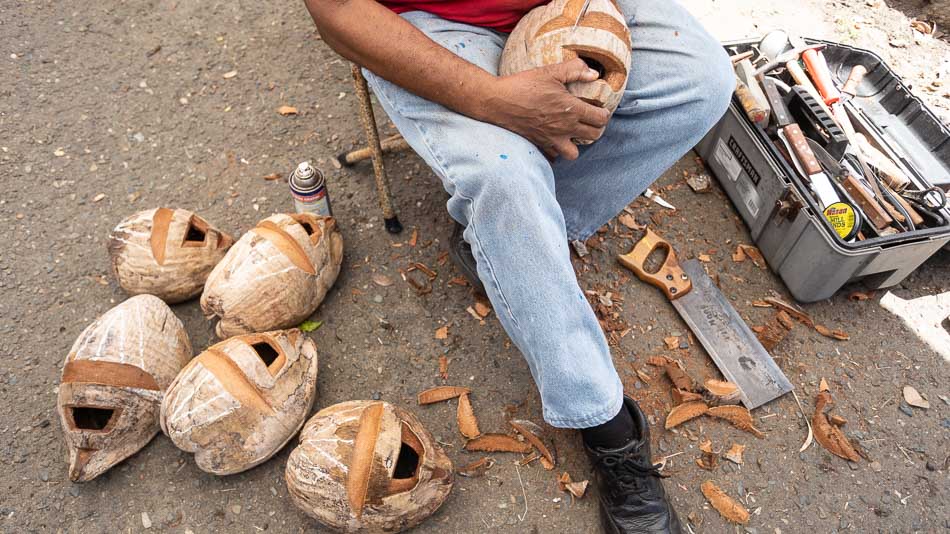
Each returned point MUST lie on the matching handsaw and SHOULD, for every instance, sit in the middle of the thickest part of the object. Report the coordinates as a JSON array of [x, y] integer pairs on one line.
[[726, 337], [580, 15]]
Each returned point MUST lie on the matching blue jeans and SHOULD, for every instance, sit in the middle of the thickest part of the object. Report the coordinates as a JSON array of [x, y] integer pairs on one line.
[[520, 211]]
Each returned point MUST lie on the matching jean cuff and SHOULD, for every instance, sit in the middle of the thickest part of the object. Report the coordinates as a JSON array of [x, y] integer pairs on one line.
[[590, 420]]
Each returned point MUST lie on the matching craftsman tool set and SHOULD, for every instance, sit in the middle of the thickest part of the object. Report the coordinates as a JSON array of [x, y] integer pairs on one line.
[[839, 172]]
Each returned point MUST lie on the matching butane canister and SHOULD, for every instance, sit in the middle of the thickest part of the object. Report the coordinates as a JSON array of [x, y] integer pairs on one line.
[[309, 189]]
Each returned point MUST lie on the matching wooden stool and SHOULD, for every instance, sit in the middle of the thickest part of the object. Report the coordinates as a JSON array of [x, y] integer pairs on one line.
[[374, 150]]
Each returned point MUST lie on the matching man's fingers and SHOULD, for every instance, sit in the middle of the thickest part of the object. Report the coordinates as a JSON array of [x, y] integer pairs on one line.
[[586, 132], [574, 70], [566, 149], [591, 115]]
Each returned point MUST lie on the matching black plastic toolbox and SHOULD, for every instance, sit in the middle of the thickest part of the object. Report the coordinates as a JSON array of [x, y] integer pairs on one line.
[[783, 219]]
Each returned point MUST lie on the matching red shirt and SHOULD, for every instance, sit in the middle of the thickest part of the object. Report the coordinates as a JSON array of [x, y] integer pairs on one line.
[[501, 15]]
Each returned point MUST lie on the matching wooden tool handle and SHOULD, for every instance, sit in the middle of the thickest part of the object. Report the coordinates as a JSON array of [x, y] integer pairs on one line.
[[802, 151], [816, 65], [669, 277], [850, 87], [871, 208]]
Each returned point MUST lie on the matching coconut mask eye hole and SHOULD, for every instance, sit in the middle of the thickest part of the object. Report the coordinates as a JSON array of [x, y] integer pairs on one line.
[[196, 234], [272, 356], [92, 418], [406, 472]]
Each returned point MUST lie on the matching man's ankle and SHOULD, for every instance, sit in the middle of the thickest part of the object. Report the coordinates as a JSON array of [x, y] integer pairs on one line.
[[613, 434]]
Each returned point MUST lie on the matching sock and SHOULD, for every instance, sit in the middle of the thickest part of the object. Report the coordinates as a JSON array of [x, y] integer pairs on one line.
[[613, 434]]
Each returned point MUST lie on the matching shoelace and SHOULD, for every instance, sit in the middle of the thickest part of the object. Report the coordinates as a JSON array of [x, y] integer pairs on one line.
[[626, 472]]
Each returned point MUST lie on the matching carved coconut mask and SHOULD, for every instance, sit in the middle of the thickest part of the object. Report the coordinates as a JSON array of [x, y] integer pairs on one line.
[[367, 466], [113, 380], [546, 35], [275, 276], [167, 253], [240, 401]]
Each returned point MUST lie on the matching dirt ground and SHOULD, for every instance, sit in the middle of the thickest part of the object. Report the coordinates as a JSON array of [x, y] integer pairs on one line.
[[109, 108]]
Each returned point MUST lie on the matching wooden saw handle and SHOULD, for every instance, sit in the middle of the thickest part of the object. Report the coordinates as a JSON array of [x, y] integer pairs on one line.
[[669, 277]]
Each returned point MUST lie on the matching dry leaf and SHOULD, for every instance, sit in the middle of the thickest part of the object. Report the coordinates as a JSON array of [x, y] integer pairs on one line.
[[531, 432], [477, 468], [287, 110], [829, 436], [444, 367], [465, 415], [912, 397], [382, 280], [734, 454], [738, 416], [672, 342], [497, 443], [442, 333], [684, 412], [272, 176], [727, 507], [441, 393], [833, 334]]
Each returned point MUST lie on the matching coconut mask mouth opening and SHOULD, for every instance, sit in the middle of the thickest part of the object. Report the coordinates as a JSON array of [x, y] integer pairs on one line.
[[92, 418], [272, 356], [406, 472]]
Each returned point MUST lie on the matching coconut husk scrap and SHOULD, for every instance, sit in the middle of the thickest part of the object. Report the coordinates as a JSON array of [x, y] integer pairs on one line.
[[444, 367], [477, 468], [680, 396], [738, 416], [532, 433], [786, 319], [708, 460], [840, 335], [679, 378], [828, 435], [658, 361], [497, 443], [465, 415], [734, 454], [727, 507], [722, 391], [576, 489], [799, 315], [441, 393], [771, 333], [684, 412]]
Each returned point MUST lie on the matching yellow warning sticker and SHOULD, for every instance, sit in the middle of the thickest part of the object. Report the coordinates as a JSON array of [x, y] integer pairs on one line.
[[842, 218]]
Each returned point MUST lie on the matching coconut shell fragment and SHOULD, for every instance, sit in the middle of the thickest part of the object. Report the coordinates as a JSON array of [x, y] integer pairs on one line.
[[497, 443], [533, 433], [367, 466], [739, 416], [468, 424], [722, 391], [113, 381], [275, 276], [165, 252], [240, 401], [828, 435], [441, 393], [477, 468], [684, 412], [728, 508]]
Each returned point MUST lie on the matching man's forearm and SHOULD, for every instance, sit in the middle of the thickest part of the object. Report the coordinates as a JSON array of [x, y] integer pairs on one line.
[[374, 37]]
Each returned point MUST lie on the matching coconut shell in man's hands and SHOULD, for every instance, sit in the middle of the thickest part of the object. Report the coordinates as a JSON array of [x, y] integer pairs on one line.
[[546, 36], [240, 401], [165, 252], [275, 276], [367, 466], [113, 381]]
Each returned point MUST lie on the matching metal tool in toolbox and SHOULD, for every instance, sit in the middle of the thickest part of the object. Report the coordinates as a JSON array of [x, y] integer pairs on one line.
[[652, 195], [725, 336]]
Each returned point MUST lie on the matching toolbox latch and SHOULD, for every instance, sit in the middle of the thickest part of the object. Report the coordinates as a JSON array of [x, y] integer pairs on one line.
[[787, 207]]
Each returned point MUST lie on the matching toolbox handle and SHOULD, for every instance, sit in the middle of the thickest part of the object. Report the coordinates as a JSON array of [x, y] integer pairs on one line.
[[670, 277]]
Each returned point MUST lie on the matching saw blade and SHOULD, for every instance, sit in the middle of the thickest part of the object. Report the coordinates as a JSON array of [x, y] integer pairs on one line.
[[729, 341]]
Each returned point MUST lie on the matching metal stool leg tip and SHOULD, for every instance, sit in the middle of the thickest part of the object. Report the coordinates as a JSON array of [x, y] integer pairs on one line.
[[393, 226]]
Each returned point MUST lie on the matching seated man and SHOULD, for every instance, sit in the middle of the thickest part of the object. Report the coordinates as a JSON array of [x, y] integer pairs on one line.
[[522, 190]]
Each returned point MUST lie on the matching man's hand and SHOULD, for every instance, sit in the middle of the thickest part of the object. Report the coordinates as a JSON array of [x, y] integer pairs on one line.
[[537, 105]]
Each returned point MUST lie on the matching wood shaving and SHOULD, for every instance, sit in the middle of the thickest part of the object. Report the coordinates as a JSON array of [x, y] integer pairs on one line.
[[477, 468], [679, 378], [576, 489], [442, 333], [722, 389], [684, 412], [799, 315], [753, 254], [680, 396], [707, 460], [444, 367], [531, 432], [382, 280], [498, 443], [441, 393], [672, 342], [727, 507], [734, 454], [738, 416], [912, 397], [833, 334], [287, 110]]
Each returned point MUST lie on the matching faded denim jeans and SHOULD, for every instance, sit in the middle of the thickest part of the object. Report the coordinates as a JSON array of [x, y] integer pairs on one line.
[[520, 211]]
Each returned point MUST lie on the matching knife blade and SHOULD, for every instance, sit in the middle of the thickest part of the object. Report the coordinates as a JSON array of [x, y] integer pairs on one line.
[[727, 339], [651, 194], [580, 15]]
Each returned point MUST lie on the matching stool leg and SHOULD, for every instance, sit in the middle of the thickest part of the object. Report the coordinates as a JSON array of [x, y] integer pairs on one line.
[[393, 225]]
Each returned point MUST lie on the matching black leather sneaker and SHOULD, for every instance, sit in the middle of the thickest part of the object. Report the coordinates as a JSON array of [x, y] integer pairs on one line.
[[632, 499], [460, 252]]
